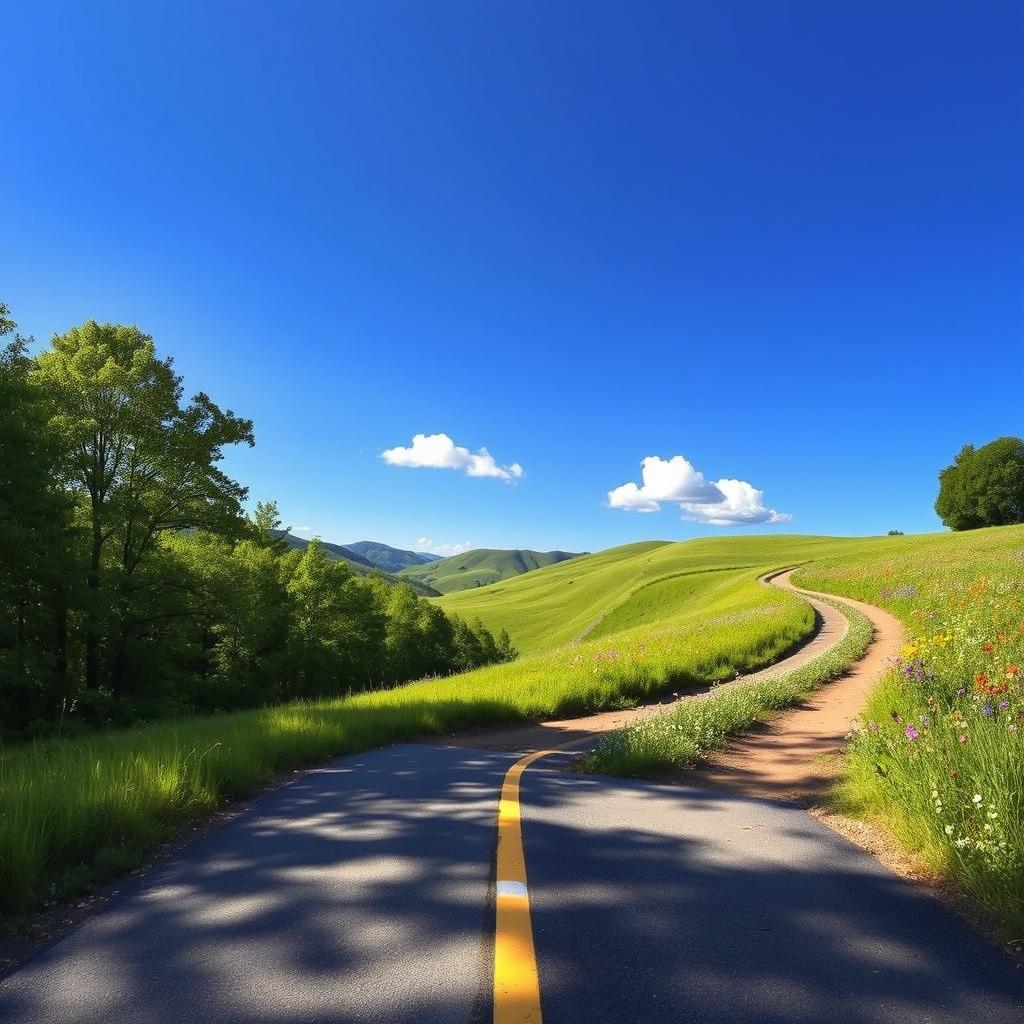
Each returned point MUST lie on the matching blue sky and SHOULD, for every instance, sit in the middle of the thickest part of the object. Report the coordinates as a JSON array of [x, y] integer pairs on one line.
[[781, 240]]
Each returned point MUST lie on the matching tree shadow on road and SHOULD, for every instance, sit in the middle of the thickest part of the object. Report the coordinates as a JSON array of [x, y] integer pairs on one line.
[[657, 903], [363, 891], [338, 897]]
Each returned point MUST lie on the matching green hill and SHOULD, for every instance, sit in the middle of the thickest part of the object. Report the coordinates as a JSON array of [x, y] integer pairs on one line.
[[481, 568], [597, 595]]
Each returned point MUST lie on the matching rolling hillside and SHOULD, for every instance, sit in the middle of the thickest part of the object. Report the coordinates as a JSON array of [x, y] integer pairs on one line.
[[596, 595], [481, 568]]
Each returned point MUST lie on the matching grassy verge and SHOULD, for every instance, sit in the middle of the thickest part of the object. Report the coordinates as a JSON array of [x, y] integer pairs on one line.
[[939, 754], [680, 738], [74, 811]]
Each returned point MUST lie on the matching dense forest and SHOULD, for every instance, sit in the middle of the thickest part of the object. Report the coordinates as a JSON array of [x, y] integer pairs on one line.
[[132, 582]]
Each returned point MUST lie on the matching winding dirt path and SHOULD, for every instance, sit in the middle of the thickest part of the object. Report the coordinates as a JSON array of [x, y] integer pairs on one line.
[[821, 732], [797, 755]]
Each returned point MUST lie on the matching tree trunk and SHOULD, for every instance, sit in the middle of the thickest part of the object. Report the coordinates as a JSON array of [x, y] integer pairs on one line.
[[117, 670], [60, 639], [92, 627]]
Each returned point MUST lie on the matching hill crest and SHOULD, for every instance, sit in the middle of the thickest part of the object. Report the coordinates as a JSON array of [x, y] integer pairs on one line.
[[481, 567]]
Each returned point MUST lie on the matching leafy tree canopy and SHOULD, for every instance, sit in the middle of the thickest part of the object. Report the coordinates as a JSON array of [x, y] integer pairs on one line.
[[984, 486], [132, 584]]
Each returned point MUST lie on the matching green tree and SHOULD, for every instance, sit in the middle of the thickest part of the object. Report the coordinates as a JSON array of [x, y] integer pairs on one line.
[[337, 629], [467, 652], [239, 615], [488, 647], [267, 528], [506, 652], [436, 631], [984, 486], [403, 640], [140, 463], [35, 548]]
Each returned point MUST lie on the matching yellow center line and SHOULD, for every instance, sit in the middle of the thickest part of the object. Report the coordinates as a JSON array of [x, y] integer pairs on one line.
[[516, 985]]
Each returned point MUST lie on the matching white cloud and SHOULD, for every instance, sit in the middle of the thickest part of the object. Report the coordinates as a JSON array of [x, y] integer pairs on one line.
[[299, 530], [743, 505], [426, 544], [675, 481], [439, 451], [631, 497]]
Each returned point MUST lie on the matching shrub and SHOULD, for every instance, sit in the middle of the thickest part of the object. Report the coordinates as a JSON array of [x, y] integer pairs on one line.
[[984, 486]]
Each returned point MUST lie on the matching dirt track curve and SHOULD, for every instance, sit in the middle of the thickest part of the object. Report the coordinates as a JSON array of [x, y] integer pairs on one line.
[[795, 756]]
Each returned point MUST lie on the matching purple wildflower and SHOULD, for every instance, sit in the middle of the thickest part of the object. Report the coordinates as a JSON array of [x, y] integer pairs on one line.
[[988, 710], [911, 732], [916, 670]]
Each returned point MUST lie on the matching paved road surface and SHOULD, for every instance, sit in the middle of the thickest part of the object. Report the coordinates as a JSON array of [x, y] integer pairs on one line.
[[362, 892]]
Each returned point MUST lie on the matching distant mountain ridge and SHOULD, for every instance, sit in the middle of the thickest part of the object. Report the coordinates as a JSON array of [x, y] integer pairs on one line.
[[388, 558], [481, 567], [359, 563], [431, 575]]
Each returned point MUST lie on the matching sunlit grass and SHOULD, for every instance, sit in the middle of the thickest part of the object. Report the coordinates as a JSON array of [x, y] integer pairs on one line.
[[633, 585], [939, 754]]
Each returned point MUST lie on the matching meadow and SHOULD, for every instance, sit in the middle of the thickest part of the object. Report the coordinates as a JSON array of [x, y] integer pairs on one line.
[[938, 755], [77, 810], [596, 594]]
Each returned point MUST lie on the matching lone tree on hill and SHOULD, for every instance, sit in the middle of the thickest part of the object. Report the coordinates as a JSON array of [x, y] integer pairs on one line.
[[984, 487]]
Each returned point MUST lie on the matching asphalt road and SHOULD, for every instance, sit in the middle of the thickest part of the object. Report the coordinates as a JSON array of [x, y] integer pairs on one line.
[[363, 892]]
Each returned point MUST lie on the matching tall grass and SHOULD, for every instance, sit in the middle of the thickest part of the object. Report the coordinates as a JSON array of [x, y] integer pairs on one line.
[[682, 737], [76, 810], [939, 754]]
